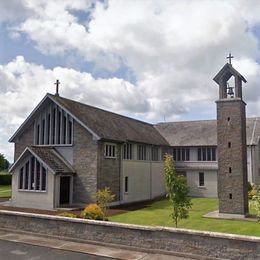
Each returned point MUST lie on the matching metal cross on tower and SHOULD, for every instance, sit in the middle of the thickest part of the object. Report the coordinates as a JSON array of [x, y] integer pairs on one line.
[[57, 83], [229, 57]]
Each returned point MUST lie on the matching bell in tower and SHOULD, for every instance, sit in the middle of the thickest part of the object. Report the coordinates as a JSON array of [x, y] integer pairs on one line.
[[231, 139]]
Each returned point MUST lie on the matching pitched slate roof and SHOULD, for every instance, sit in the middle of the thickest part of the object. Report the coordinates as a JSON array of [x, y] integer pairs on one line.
[[202, 133], [226, 72], [53, 159], [49, 156], [111, 126]]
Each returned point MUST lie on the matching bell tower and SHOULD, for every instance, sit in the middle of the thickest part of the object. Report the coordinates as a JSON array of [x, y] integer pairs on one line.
[[231, 138]]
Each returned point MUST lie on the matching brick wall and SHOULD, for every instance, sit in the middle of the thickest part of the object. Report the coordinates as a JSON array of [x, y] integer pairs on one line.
[[85, 165], [197, 244]]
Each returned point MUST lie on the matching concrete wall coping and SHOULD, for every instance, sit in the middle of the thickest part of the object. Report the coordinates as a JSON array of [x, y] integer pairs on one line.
[[136, 227]]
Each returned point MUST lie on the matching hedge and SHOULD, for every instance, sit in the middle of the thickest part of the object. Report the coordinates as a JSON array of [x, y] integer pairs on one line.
[[5, 179]]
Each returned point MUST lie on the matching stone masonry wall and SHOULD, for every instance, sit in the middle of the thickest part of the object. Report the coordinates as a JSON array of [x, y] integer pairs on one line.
[[233, 157], [85, 165], [26, 139], [199, 244], [109, 170]]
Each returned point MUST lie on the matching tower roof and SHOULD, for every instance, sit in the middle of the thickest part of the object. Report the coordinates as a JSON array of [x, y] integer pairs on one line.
[[226, 73]]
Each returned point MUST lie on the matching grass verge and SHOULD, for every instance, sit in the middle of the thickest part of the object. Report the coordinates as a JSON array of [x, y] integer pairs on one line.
[[158, 214], [5, 191]]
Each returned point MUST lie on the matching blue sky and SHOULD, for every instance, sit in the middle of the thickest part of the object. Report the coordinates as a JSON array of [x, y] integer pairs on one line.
[[145, 59]]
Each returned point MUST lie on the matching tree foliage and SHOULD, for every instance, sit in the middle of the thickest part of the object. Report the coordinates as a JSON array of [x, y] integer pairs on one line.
[[4, 164], [103, 198], [177, 191]]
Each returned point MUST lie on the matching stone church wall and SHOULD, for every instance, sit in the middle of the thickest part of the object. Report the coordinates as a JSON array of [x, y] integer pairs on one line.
[[26, 139], [109, 170]]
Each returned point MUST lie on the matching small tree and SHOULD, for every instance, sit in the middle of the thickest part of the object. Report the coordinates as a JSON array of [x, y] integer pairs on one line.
[[4, 164], [103, 198], [177, 191]]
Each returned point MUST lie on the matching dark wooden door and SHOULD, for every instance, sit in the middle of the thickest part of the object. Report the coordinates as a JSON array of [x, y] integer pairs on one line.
[[64, 190]]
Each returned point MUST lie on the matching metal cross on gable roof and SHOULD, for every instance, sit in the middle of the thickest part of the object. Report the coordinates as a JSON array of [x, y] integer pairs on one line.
[[57, 83], [229, 57]]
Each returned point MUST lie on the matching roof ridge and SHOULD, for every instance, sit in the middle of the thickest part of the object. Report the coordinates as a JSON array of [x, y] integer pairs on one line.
[[107, 111]]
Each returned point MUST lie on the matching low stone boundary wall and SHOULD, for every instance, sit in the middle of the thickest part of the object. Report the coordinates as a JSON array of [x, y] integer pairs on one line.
[[196, 243]]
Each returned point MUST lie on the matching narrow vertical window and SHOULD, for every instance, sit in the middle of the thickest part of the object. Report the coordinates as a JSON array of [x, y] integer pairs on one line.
[[110, 151], [70, 132], [199, 154], [229, 144], [37, 181], [53, 125], [59, 127], [174, 153], [187, 154], [213, 153], [230, 196], [44, 176], [43, 131], [126, 184], [26, 176], [21, 178], [38, 134], [141, 153], [32, 173], [209, 157], [64, 130], [155, 154], [48, 128], [204, 155], [178, 154], [230, 170], [201, 179], [127, 152]]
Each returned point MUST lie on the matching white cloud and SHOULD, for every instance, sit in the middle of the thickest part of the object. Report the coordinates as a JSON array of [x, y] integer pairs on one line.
[[24, 84], [173, 48]]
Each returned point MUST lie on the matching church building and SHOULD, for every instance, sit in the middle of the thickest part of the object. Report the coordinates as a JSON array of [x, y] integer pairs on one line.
[[65, 151]]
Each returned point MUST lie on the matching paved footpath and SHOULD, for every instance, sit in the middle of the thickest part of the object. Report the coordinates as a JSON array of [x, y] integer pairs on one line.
[[27, 245]]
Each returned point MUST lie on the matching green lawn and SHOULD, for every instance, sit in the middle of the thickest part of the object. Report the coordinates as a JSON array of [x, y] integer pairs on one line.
[[5, 191], [158, 214]]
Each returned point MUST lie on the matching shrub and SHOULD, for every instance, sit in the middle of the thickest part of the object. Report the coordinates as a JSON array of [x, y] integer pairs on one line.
[[5, 179], [67, 215], [92, 211], [252, 192], [256, 201], [103, 198]]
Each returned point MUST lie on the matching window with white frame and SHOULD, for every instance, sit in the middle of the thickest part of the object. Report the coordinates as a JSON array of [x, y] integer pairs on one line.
[[53, 127], [207, 154], [155, 153], [127, 151], [181, 154], [141, 152], [32, 176], [110, 150]]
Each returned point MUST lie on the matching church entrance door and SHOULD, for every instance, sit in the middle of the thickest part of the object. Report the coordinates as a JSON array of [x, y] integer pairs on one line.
[[65, 189]]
